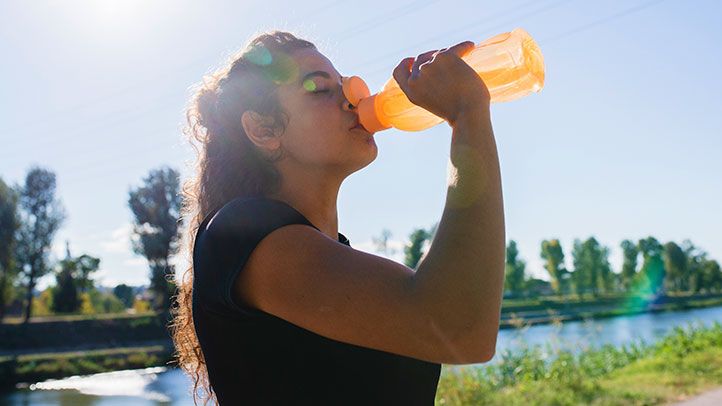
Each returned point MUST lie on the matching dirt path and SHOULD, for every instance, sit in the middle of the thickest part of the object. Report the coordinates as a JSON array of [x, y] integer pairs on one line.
[[709, 398]]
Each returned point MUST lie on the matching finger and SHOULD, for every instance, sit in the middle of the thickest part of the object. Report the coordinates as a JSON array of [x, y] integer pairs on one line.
[[402, 72], [425, 57], [460, 49]]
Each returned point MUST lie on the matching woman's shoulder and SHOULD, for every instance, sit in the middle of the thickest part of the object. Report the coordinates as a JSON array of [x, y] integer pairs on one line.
[[251, 214]]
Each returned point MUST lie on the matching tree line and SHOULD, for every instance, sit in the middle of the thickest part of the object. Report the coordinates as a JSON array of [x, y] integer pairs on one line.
[[664, 268], [31, 214]]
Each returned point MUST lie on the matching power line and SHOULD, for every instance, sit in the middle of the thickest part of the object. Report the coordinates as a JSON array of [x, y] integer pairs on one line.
[[601, 21], [429, 40], [394, 14], [526, 15], [187, 67], [358, 29]]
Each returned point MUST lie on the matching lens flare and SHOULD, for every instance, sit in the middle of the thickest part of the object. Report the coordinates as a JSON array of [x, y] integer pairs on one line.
[[277, 67], [259, 55], [309, 85]]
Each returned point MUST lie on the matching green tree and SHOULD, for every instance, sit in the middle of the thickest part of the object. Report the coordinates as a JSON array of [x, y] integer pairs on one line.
[[582, 276], [41, 216], [85, 265], [652, 272], [696, 258], [104, 302], [592, 271], [414, 250], [514, 274], [606, 279], [675, 262], [9, 223], [629, 266], [73, 279], [125, 294], [156, 208], [711, 276], [553, 256], [65, 293]]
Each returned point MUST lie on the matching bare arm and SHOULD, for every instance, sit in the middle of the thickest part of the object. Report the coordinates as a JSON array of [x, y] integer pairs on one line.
[[461, 278]]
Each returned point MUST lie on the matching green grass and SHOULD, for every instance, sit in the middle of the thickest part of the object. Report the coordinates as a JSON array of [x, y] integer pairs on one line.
[[77, 317], [684, 363]]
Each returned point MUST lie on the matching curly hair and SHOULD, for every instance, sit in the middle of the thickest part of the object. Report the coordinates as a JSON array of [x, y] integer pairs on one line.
[[228, 164]]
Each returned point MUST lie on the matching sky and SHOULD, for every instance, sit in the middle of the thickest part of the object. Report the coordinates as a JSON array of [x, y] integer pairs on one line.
[[623, 142]]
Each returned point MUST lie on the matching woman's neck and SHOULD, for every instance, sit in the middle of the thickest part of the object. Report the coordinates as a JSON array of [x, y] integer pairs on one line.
[[314, 197]]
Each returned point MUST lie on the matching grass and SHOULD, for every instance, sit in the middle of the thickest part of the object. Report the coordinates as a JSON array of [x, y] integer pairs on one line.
[[684, 363], [77, 317]]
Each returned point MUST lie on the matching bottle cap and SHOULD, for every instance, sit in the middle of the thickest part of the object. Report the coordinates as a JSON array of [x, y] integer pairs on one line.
[[355, 89]]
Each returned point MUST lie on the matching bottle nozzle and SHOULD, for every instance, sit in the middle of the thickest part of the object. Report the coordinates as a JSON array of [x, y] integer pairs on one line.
[[354, 89], [358, 94]]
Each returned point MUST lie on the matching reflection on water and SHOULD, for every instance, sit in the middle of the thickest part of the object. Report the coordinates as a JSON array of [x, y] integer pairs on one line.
[[120, 383], [164, 386], [149, 386]]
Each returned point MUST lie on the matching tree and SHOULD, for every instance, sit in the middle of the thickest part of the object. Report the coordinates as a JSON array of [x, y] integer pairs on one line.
[[675, 262], [9, 224], [629, 266], [382, 243], [552, 254], [592, 271], [73, 279], [414, 250], [711, 276], [41, 216], [652, 271], [582, 276], [125, 294], [156, 208], [696, 258], [514, 270], [84, 266], [65, 294]]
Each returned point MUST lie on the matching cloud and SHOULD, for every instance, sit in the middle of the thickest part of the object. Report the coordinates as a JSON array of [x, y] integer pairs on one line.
[[135, 261], [395, 249], [119, 240]]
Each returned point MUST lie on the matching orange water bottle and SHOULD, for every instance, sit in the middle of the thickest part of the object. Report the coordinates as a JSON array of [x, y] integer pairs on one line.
[[510, 64]]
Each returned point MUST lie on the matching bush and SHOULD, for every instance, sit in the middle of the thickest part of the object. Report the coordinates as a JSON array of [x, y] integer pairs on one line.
[[542, 375]]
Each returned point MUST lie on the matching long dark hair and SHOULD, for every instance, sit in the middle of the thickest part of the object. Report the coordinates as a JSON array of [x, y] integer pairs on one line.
[[228, 164]]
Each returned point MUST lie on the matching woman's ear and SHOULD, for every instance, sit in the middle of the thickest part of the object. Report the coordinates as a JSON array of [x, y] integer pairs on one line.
[[260, 130]]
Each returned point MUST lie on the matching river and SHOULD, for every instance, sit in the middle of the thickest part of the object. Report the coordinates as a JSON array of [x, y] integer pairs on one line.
[[165, 386]]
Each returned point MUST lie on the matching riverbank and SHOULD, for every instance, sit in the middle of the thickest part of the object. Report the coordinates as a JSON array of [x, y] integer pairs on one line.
[[684, 363], [61, 346], [24, 369], [58, 347], [515, 314]]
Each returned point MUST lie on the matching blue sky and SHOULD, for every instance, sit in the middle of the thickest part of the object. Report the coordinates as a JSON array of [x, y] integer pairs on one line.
[[625, 140]]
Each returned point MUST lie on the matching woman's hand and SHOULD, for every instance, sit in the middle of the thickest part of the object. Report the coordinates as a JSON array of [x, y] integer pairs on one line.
[[442, 83]]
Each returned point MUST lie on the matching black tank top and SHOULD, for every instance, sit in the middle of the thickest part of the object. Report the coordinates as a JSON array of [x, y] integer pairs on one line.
[[256, 358]]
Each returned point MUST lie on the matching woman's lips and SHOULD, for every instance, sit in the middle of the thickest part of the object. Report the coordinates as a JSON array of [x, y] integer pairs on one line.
[[359, 127]]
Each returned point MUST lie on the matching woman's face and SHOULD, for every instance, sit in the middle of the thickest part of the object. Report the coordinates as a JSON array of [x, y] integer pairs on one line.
[[320, 130]]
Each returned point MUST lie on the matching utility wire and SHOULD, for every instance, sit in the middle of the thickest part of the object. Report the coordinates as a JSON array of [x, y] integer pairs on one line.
[[547, 40]]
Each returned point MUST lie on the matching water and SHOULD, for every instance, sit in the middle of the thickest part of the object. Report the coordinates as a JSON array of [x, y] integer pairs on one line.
[[163, 386]]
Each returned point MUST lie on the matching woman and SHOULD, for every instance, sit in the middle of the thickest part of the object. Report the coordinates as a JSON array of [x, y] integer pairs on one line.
[[277, 307]]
